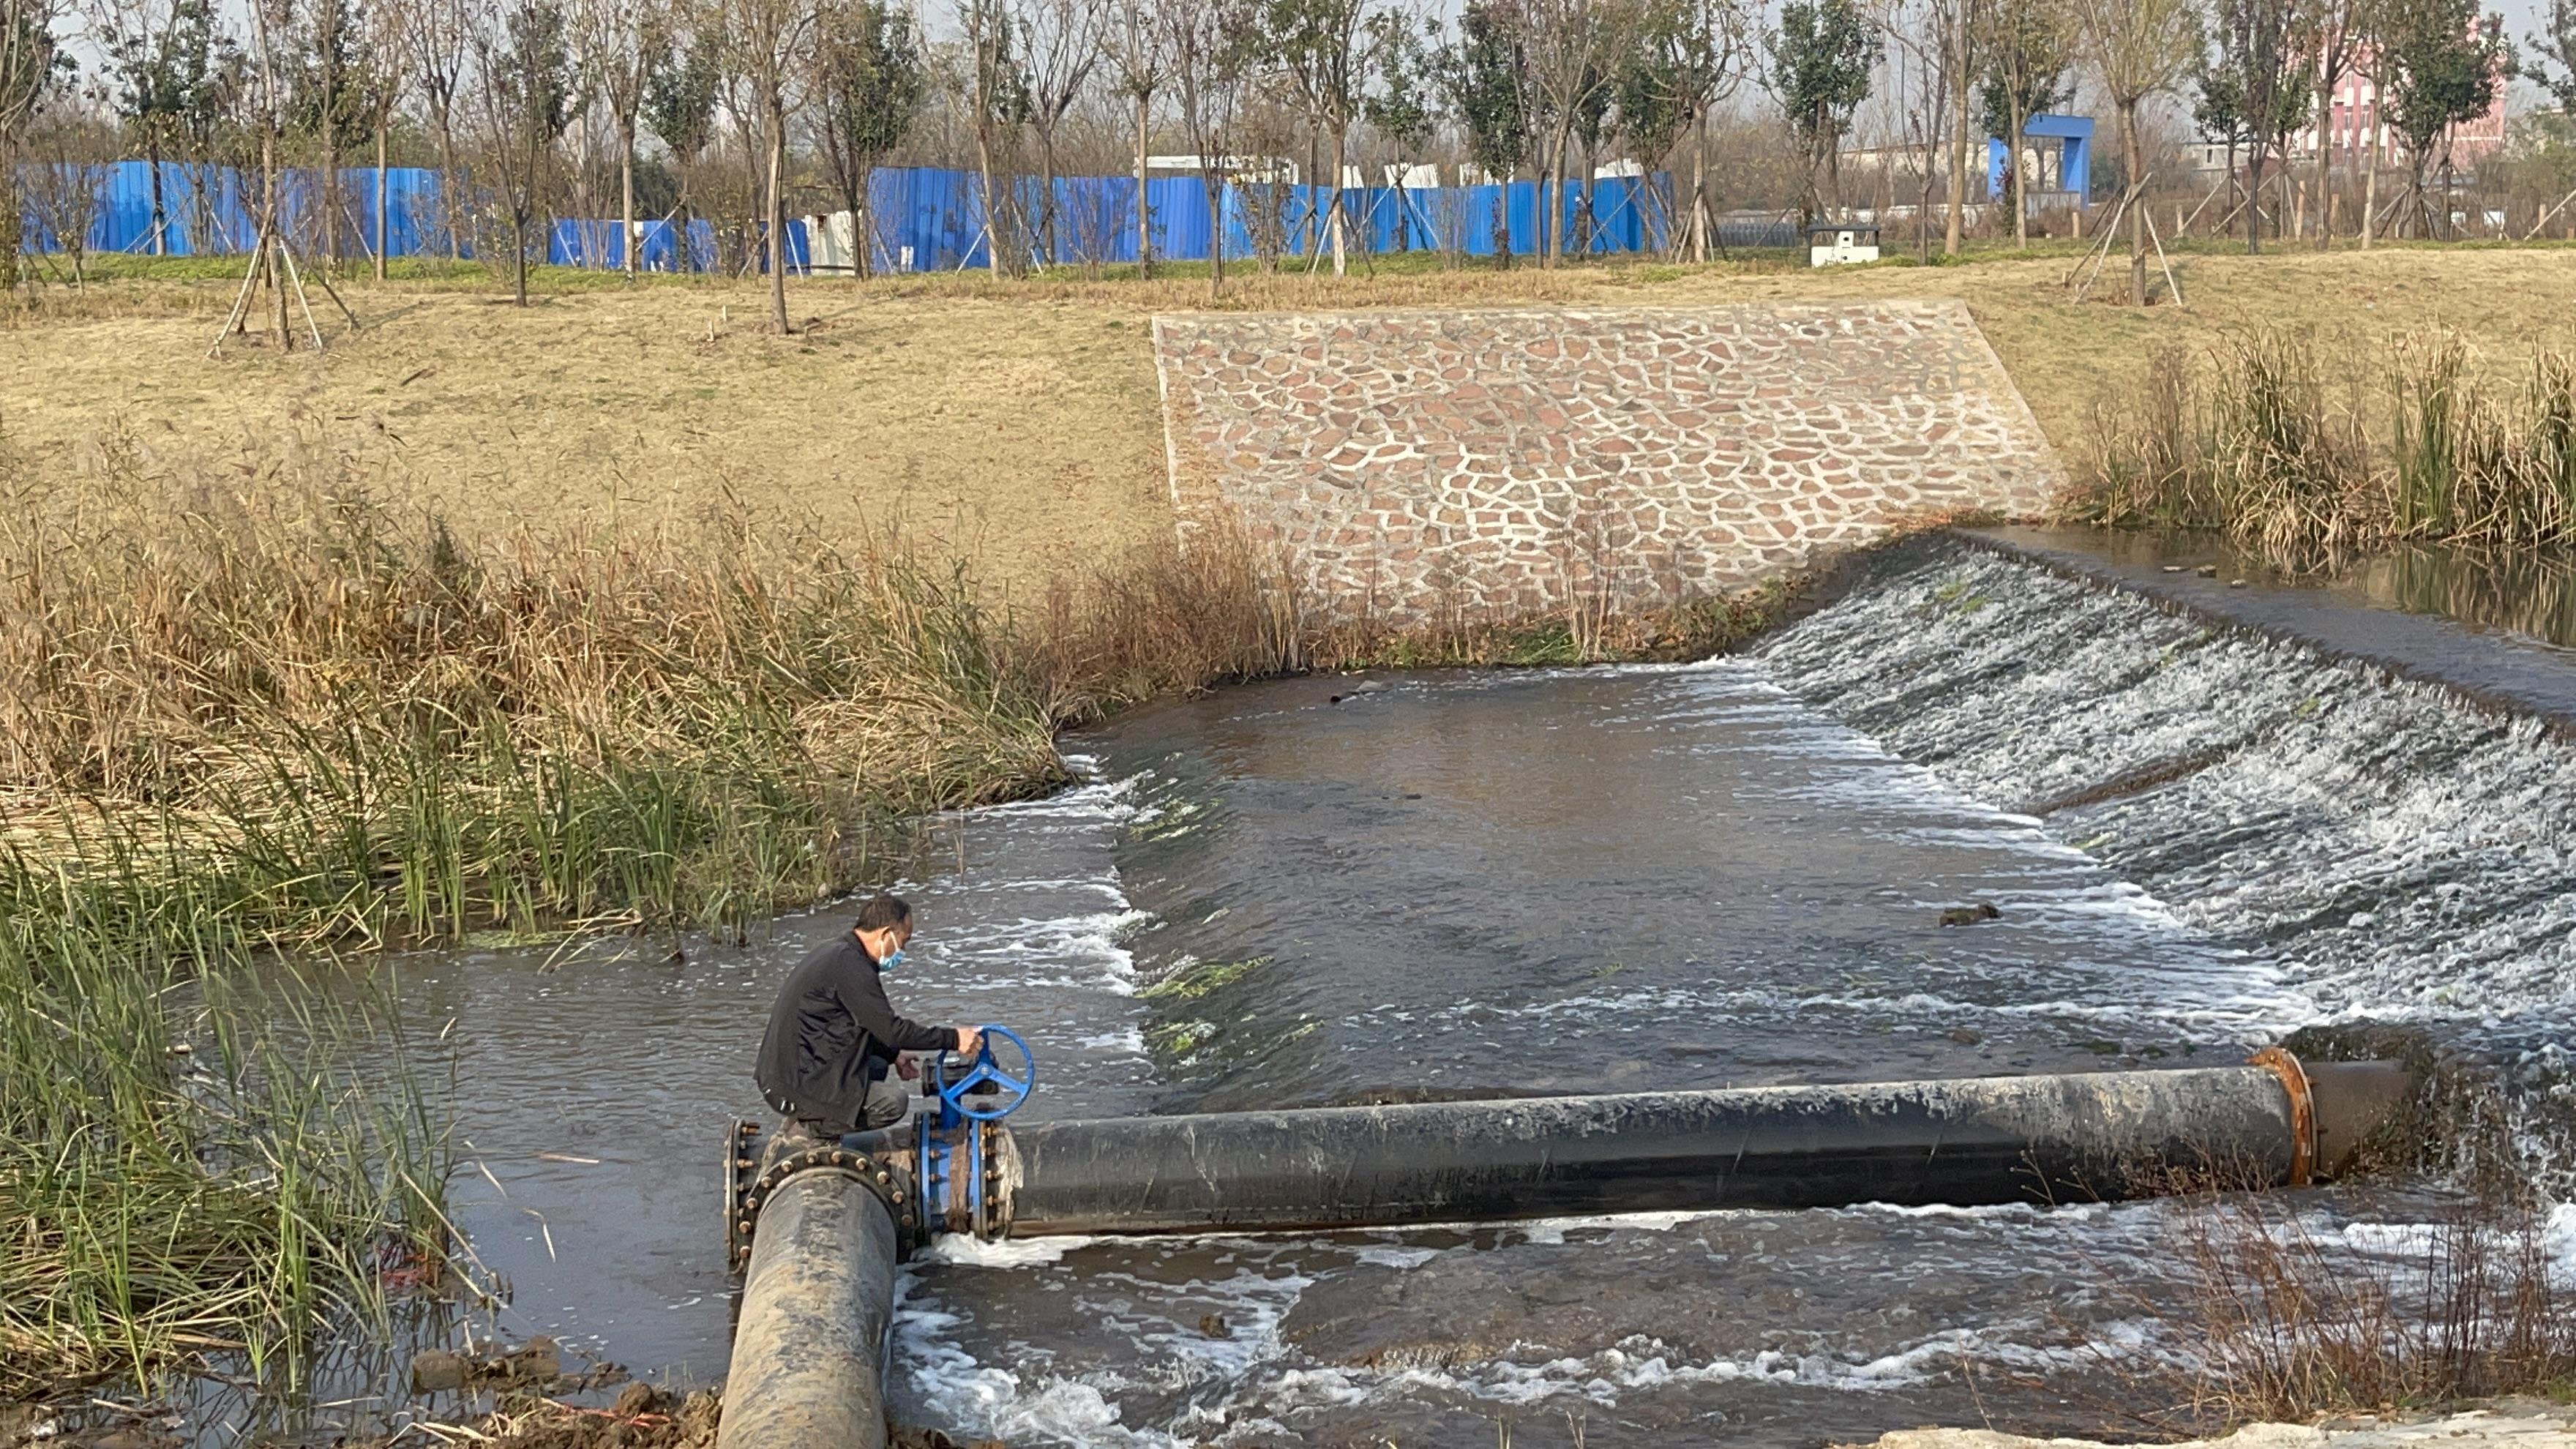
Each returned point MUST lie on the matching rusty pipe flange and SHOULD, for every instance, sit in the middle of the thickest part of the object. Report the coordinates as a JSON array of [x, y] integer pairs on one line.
[[2303, 1110], [741, 1166], [882, 1176]]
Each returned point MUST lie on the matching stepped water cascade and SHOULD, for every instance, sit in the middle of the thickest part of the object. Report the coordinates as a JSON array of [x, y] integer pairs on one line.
[[2396, 854]]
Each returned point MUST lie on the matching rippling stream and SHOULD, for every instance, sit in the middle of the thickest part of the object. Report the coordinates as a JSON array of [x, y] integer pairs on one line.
[[1333, 890]]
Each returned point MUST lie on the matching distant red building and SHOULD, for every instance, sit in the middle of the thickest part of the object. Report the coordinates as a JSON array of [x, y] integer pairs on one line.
[[2356, 113]]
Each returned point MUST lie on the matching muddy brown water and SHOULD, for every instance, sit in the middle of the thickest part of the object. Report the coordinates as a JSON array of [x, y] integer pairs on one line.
[[1587, 880]]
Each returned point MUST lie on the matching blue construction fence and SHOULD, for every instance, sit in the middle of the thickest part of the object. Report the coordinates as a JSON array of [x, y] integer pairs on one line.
[[664, 246], [922, 219], [214, 209]]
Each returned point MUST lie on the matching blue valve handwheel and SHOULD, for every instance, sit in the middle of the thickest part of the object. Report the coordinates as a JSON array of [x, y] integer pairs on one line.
[[1014, 1090]]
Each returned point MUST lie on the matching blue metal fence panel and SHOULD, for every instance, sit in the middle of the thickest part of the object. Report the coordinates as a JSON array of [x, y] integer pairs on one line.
[[212, 209], [922, 218]]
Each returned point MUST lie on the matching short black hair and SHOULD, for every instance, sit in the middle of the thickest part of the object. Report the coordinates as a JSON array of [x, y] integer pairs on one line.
[[882, 911]]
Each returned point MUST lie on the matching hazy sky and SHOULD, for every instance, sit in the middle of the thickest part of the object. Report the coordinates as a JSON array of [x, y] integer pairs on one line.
[[2521, 17]]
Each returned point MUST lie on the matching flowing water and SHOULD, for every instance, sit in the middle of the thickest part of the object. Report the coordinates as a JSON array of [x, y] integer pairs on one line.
[[1333, 890]]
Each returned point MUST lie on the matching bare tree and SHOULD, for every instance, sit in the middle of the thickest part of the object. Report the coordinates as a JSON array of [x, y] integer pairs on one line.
[[2329, 35], [165, 61], [2137, 48], [1208, 69], [868, 85], [1960, 55], [1313, 44], [1923, 32], [525, 82], [998, 94], [30, 55], [1687, 58], [326, 96], [1402, 102], [1135, 48], [611, 36], [66, 187], [384, 56], [439, 40], [769, 43], [1575, 48], [1059, 50]]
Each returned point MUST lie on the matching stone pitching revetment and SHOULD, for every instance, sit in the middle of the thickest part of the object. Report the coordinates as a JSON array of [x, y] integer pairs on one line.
[[1496, 463]]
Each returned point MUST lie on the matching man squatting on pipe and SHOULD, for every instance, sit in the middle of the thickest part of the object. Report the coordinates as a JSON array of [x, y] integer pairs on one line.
[[834, 1039]]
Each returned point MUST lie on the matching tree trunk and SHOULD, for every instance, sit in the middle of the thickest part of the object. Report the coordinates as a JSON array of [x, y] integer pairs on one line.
[[626, 239], [854, 195], [1214, 184], [447, 186], [2370, 182], [1047, 240], [2130, 159], [1341, 156], [11, 238], [2254, 197], [2325, 161], [1958, 133], [984, 164], [2020, 186], [775, 105], [1563, 143], [1700, 218], [160, 218], [1144, 212], [519, 254], [1834, 167], [384, 210], [274, 212]]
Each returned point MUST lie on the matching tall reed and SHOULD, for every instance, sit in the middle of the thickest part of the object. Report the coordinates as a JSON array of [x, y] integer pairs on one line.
[[2255, 443]]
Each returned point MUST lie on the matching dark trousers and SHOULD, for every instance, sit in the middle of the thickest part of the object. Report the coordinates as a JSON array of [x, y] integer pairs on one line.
[[884, 1106]]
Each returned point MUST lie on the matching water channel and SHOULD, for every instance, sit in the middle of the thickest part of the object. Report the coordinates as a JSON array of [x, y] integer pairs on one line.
[[1333, 889]]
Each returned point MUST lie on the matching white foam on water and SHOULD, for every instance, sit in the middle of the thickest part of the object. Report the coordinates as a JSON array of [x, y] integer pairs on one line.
[[965, 1250]]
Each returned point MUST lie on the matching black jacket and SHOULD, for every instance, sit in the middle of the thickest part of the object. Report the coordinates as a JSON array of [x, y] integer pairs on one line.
[[832, 1032]]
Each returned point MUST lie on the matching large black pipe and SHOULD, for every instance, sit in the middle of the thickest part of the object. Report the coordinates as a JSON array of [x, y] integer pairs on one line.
[[1987, 1140], [809, 1344]]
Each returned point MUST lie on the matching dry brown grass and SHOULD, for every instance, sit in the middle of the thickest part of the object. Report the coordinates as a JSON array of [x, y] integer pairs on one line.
[[2309, 459], [1016, 423]]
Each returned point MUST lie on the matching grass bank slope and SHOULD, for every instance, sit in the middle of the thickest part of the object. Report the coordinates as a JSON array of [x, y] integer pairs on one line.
[[1015, 423]]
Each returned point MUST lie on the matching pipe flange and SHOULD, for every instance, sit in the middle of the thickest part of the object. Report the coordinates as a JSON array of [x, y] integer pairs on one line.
[[2303, 1110], [879, 1175], [741, 1167]]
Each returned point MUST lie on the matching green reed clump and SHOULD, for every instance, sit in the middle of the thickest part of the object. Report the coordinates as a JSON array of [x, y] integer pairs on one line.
[[2253, 443], [190, 1170]]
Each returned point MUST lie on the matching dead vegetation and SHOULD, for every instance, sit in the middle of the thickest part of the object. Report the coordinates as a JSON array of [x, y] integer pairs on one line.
[[2265, 441]]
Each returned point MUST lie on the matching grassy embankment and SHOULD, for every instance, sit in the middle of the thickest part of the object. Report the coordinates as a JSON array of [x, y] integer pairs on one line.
[[619, 611]]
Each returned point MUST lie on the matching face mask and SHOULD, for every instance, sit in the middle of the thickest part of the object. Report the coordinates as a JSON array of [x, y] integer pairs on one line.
[[890, 960]]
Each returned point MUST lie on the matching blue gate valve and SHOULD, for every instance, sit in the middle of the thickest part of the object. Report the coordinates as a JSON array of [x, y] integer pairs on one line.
[[978, 1094]]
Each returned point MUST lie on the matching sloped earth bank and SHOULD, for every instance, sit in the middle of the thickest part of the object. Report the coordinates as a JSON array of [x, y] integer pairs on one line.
[[1330, 889]]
